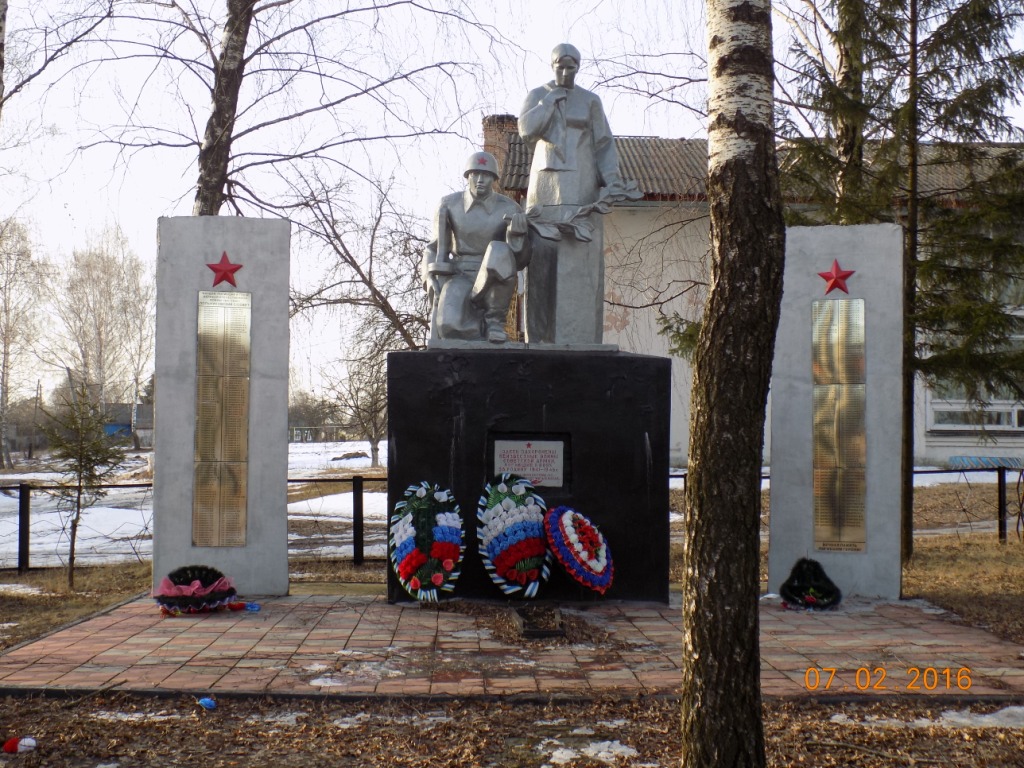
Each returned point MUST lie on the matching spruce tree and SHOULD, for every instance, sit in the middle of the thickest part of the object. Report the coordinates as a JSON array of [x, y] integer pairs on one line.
[[86, 455], [881, 95]]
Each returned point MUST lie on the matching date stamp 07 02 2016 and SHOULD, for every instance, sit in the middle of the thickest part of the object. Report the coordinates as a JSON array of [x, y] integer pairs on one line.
[[912, 679]]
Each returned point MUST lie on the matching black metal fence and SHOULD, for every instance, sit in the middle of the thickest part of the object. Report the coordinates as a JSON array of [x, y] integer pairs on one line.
[[358, 524]]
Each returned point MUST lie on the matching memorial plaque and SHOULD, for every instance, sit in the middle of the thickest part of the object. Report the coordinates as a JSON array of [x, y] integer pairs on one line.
[[222, 419], [542, 462], [839, 436]]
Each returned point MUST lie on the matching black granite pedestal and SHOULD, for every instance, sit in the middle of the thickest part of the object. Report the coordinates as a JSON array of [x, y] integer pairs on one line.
[[606, 413]]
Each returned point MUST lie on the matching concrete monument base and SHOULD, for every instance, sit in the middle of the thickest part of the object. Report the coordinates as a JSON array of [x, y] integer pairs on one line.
[[596, 422]]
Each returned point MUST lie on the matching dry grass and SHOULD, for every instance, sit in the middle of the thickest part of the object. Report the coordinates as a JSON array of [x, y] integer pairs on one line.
[[311, 569], [341, 484], [945, 505], [974, 576], [52, 606]]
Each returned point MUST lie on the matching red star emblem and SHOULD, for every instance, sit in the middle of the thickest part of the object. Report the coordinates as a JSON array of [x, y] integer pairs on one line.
[[481, 161], [836, 278], [224, 270]]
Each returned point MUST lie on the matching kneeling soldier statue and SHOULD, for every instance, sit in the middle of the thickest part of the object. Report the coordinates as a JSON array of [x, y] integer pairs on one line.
[[469, 269]]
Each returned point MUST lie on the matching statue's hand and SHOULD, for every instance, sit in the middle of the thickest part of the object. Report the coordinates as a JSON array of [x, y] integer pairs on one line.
[[517, 224], [556, 95]]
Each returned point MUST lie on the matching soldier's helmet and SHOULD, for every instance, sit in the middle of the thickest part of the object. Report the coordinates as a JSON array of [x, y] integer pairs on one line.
[[482, 161]]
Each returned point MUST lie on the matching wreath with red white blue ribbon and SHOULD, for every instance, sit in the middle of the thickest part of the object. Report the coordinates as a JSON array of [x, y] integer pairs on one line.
[[580, 548], [510, 533], [426, 541]]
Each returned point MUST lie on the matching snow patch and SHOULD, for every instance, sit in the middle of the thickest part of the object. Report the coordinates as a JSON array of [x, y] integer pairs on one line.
[[19, 589], [137, 717], [328, 682], [351, 722], [563, 755], [609, 751], [1008, 717], [286, 718]]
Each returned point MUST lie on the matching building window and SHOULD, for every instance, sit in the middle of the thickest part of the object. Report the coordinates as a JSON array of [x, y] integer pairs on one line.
[[954, 414]]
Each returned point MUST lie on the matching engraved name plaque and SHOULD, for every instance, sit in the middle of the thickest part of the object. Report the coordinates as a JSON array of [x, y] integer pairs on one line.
[[839, 435], [219, 488], [542, 462]]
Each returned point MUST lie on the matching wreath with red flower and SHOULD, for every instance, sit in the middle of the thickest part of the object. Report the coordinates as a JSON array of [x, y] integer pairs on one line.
[[510, 533], [580, 548], [425, 542], [194, 589]]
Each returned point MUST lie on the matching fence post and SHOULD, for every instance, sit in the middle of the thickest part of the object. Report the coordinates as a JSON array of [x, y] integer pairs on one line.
[[357, 520], [1001, 476], [24, 511]]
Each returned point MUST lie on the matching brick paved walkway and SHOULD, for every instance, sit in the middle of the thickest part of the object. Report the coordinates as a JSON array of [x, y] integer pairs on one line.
[[355, 645]]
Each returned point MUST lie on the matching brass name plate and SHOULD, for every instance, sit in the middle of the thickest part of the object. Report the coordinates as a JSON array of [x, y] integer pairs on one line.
[[839, 434], [219, 488]]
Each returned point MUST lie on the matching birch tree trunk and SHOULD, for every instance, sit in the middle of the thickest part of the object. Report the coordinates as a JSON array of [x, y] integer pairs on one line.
[[721, 699], [215, 151], [3, 41]]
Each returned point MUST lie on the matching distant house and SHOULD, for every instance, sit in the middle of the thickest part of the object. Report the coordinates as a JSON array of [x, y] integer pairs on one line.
[[127, 419], [142, 424], [657, 256], [118, 419], [322, 433]]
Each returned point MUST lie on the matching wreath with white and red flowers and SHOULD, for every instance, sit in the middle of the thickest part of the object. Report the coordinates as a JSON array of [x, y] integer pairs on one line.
[[580, 548], [426, 541], [510, 534]]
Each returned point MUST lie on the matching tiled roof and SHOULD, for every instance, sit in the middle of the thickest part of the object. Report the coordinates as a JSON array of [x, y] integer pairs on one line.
[[665, 169], [676, 169], [942, 177], [944, 169]]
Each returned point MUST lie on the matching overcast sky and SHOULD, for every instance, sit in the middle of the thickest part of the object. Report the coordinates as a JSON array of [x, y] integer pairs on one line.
[[68, 196]]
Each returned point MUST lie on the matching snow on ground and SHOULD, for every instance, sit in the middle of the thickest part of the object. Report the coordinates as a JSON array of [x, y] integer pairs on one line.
[[1008, 717], [311, 459], [121, 526], [375, 506], [18, 589]]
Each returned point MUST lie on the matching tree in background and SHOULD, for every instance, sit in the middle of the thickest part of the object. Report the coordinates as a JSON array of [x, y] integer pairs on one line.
[[882, 94], [721, 701], [21, 289], [361, 399], [44, 40], [371, 270], [105, 306], [284, 85], [86, 454], [296, 97], [306, 411]]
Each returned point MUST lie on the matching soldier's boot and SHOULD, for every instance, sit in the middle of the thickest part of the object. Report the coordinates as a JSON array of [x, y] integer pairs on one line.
[[496, 310]]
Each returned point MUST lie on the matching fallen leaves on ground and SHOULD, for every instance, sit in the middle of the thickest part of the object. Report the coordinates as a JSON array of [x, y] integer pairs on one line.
[[147, 732]]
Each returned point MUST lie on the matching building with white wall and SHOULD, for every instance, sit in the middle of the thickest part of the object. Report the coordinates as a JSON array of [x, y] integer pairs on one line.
[[657, 262]]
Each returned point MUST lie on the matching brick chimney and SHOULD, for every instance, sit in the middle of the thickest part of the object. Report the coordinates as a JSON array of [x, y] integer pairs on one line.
[[497, 129]]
